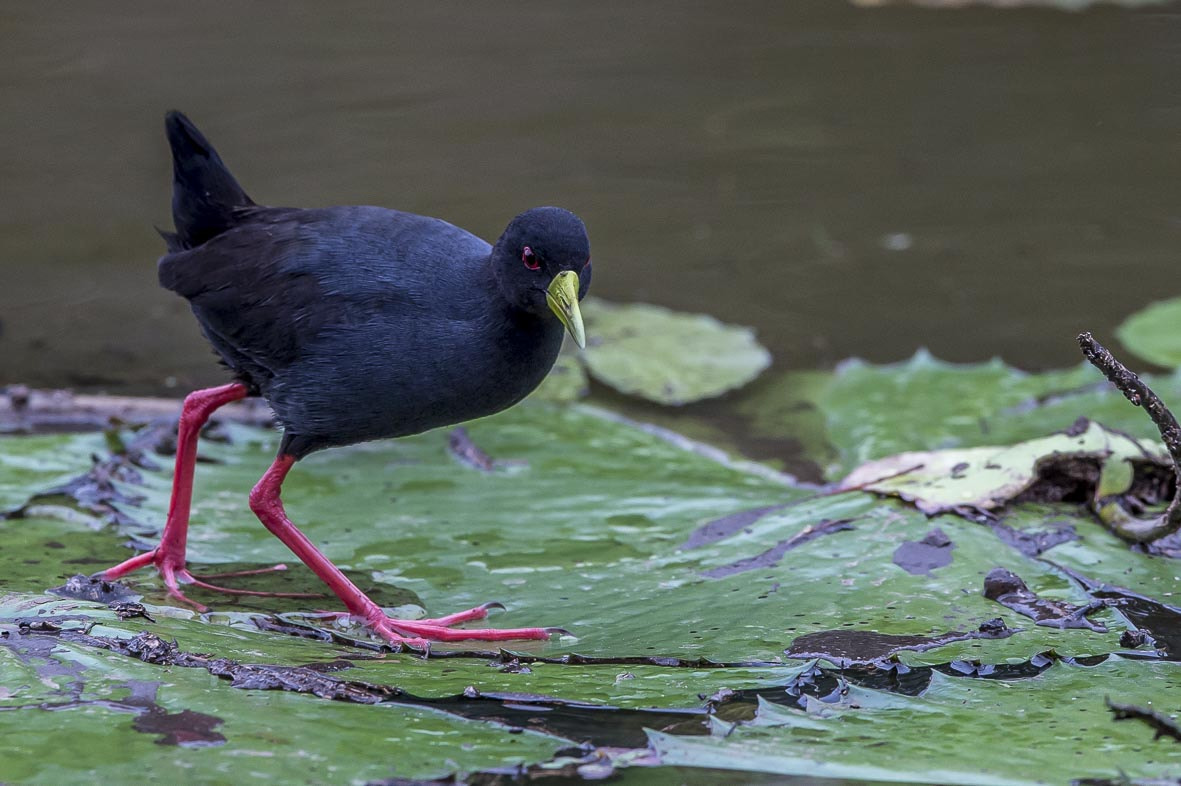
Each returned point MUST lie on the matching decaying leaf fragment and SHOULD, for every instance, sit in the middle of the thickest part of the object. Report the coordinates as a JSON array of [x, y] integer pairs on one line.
[[987, 478], [1129, 524]]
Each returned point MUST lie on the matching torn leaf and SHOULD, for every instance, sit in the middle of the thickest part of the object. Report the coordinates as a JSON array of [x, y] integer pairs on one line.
[[1086, 462]]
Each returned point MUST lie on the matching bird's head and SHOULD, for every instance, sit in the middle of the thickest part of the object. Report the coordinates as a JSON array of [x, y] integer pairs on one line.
[[542, 265]]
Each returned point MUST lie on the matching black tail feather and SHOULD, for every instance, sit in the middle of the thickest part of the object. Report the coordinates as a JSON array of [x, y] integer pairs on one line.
[[204, 193]]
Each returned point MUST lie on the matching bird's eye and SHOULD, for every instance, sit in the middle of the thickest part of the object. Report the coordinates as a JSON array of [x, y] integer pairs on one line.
[[530, 259]]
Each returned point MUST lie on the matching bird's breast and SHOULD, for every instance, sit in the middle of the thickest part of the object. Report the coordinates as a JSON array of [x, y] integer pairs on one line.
[[412, 376]]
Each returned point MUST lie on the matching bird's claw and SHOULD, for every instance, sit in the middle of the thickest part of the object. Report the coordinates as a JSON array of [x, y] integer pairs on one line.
[[175, 572]]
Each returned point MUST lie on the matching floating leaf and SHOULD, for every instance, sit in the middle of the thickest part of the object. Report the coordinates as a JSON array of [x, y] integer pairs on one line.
[[666, 356], [862, 412], [952, 733], [112, 709], [585, 522], [1154, 333]]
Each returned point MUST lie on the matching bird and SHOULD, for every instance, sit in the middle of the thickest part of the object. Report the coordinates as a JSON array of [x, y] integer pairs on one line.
[[355, 323]]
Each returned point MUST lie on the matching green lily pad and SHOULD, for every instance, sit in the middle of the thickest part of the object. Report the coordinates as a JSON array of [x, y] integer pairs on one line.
[[950, 734], [666, 356], [38, 462], [59, 692], [1154, 333], [666, 558], [862, 412]]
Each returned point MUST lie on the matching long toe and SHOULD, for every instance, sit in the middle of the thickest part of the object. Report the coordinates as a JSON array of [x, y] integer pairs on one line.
[[190, 578], [477, 613], [175, 574], [427, 630], [128, 565], [171, 573], [252, 572], [394, 637], [172, 578]]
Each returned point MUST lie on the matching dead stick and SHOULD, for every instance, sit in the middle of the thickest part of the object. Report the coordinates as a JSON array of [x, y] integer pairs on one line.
[[1121, 522]]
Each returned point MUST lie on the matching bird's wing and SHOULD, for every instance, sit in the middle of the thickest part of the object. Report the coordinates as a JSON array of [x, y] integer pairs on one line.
[[268, 287]]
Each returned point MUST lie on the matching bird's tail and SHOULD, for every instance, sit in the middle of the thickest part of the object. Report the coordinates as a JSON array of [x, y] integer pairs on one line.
[[204, 193]]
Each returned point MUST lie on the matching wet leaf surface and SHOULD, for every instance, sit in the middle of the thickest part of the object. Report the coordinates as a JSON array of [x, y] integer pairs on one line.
[[934, 733], [693, 587], [862, 412], [920, 557]]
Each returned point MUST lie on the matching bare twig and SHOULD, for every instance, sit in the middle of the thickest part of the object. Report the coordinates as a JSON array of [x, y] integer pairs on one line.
[[1114, 516]]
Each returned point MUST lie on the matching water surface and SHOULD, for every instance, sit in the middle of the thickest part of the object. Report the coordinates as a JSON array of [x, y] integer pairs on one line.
[[850, 181]]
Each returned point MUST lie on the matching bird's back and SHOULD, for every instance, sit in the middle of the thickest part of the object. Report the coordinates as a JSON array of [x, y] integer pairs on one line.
[[354, 322], [365, 306]]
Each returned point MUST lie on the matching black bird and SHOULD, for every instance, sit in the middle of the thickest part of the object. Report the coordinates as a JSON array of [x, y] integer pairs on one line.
[[355, 323]]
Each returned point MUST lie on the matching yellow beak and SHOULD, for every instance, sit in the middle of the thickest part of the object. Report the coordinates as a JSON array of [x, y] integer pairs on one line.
[[562, 297]]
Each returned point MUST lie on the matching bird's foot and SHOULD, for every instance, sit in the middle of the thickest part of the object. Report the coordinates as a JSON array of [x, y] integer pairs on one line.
[[420, 633], [174, 572]]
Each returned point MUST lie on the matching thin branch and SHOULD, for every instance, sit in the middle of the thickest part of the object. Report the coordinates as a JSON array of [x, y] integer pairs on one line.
[[1117, 519]]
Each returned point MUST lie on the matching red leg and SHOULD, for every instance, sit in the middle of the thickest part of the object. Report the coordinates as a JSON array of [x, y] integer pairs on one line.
[[265, 502], [169, 556]]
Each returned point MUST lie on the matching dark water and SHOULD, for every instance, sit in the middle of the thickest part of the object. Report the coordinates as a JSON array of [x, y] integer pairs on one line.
[[850, 181]]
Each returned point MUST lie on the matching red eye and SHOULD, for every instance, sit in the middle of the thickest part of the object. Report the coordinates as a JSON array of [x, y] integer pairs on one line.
[[530, 259]]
